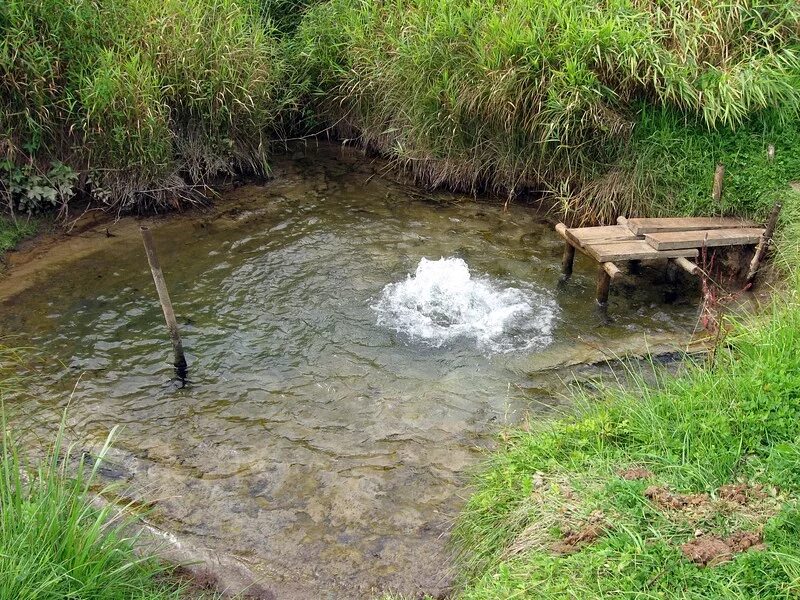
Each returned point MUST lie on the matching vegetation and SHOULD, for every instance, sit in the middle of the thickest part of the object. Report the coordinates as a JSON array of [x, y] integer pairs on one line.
[[603, 503], [14, 231], [54, 542], [562, 96], [146, 98], [577, 100]]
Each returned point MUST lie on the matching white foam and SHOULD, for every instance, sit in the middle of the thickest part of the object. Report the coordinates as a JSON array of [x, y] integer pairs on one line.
[[442, 302]]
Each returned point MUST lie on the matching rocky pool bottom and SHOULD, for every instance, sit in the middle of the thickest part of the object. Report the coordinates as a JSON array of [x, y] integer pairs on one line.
[[354, 346]]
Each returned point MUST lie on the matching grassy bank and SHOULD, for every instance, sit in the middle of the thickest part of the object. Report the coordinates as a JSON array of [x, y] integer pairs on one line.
[[135, 102], [144, 98], [55, 544], [572, 98], [689, 489], [13, 231]]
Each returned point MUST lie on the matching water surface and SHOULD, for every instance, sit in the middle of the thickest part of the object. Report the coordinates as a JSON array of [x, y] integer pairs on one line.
[[353, 344]]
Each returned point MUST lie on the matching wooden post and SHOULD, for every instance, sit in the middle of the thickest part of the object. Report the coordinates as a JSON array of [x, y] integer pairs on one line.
[[612, 270], [569, 252], [763, 243], [719, 176], [603, 285], [568, 259], [181, 367]]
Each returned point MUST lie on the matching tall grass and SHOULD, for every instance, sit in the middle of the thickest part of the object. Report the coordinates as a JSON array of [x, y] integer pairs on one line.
[[518, 94], [146, 96], [55, 544]]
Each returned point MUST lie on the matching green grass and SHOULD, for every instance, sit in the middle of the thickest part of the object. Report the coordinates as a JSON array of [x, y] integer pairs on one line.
[[736, 420], [557, 95], [55, 543], [148, 97], [13, 231], [585, 103]]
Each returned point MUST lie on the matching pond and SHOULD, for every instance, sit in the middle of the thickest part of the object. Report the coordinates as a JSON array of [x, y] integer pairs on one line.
[[353, 346]]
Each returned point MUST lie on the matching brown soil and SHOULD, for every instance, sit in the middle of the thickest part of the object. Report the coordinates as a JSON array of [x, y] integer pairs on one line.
[[670, 500], [574, 540], [634, 473], [741, 493], [710, 550]]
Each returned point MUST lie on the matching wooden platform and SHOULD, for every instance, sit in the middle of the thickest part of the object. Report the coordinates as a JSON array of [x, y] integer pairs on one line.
[[632, 240]]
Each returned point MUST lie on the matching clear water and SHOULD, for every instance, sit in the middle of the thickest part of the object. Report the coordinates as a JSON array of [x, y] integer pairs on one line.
[[353, 344]]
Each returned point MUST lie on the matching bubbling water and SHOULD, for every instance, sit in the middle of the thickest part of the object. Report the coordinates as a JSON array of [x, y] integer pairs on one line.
[[442, 302]]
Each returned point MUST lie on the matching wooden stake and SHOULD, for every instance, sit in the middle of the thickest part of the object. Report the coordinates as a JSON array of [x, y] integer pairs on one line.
[[603, 285], [181, 367], [569, 252], [568, 259], [763, 243], [719, 176]]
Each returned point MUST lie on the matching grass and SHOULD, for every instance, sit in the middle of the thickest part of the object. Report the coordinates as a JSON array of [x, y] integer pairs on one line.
[[13, 231], [553, 95], [583, 103], [55, 543], [146, 98], [736, 421]]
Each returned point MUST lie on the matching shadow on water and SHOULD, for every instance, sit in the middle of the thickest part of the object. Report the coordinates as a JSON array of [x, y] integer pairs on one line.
[[341, 388]]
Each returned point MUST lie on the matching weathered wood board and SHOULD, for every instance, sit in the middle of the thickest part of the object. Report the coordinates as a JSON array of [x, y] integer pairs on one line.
[[643, 226], [673, 240], [608, 233], [634, 250]]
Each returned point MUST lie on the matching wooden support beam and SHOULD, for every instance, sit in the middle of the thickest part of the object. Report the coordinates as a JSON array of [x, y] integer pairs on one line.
[[612, 270], [569, 251], [603, 285], [687, 265], [568, 259], [763, 243]]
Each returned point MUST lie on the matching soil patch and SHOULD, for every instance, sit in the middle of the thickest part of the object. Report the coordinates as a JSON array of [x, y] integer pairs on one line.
[[664, 498], [709, 550], [635, 473], [575, 539], [741, 493]]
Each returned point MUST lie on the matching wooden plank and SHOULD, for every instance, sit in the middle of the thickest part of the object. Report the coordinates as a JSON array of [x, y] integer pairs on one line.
[[671, 240], [596, 235], [643, 226], [634, 250]]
